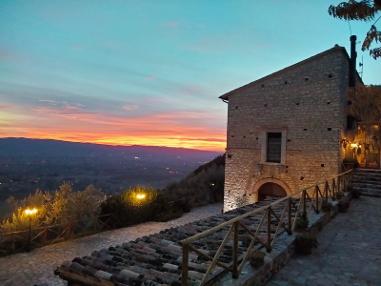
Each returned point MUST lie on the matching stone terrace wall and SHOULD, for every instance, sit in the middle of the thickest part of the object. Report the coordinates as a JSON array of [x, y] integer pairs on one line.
[[306, 101]]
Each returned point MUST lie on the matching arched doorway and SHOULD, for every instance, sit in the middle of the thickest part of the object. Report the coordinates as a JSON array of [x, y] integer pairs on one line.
[[270, 189]]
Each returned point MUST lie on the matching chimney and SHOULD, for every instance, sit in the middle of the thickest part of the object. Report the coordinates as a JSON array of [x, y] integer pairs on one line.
[[352, 62]]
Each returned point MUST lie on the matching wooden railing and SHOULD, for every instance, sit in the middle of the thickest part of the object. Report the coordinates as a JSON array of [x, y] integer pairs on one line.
[[257, 229], [33, 237]]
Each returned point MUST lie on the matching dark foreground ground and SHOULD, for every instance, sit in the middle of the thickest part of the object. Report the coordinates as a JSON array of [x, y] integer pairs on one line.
[[37, 266], [349, 251]]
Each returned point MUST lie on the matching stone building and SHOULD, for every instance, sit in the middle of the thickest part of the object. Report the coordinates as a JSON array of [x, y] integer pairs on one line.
[[286, 130]]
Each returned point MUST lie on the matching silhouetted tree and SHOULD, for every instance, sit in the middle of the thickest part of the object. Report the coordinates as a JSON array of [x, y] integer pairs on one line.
[[364, 10]]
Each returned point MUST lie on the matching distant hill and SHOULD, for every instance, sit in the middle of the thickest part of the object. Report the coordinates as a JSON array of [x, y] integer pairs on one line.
[[202, 186], [27, 164]]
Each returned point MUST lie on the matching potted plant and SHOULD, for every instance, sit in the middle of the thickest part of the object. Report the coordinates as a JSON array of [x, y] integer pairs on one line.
[[257, 258], [326, 206], [339, 195], [355, 193], [350, 163], [304, 243], [301, 222], [343, 205]]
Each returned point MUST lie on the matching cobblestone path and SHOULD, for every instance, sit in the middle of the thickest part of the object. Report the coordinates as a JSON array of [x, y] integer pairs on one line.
[[37, 266], [349, 251]]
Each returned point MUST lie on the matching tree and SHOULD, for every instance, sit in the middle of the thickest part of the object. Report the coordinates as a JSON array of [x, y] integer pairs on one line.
[[364, 10]]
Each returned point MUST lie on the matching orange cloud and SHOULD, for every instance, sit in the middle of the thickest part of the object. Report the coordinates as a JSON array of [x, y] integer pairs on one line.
[[188, 129]]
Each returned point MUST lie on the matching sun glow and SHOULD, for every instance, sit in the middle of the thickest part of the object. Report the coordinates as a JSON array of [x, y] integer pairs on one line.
[[153, 130]]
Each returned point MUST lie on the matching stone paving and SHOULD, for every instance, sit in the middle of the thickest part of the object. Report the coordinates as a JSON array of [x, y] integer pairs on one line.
[[349, 251], [37, 266]]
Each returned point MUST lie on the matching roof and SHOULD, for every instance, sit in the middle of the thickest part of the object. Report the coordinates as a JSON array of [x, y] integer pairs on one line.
[[155, 259], [335, 49]]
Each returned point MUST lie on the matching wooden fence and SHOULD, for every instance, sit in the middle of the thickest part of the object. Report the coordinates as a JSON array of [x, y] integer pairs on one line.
[[16, 241], [278, 217]]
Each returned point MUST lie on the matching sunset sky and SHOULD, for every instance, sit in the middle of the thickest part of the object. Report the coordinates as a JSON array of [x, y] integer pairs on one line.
[[149, 72]]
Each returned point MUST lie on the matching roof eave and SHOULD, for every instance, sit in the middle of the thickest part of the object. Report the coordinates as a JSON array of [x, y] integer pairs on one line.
[[225, 96]]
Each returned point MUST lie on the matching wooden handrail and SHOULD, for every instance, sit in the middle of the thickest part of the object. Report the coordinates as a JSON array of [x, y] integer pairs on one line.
[[315, 199], [258, 210]]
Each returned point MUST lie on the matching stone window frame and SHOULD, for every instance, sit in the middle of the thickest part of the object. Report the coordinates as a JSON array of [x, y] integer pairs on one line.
[[264, 133]]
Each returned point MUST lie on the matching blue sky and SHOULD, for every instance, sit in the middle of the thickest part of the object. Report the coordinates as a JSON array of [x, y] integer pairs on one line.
[[149, 72]]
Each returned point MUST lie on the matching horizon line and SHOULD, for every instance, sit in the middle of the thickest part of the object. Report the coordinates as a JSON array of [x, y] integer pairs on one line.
[[110, 144]]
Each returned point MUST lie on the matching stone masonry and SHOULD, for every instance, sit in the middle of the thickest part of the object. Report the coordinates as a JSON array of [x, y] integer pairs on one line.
[[307, 103]]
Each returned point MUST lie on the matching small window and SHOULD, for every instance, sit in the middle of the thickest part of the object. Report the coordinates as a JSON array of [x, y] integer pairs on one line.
[[274, 147], [351, 123]]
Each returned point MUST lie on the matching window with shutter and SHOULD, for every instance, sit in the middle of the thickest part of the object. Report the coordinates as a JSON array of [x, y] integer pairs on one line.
[[274, 147]]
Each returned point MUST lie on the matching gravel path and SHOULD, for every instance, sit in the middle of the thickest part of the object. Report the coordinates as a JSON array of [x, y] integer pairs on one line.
[[37, 266], [349, 251]]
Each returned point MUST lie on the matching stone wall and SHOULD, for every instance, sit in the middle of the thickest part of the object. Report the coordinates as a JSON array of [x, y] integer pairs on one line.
[[307, 103]]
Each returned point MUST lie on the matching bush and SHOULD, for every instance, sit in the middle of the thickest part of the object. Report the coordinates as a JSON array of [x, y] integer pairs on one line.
[[304, 243], [18, 220], [135, 205], [113, 212], [79, 209], [203, 186], [166, 210]]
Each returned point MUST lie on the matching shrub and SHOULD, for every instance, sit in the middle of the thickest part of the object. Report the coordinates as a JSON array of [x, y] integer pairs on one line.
[[135, 205], [166, 210], [113, 212], [18, 220], [80, 209], [203, 186]]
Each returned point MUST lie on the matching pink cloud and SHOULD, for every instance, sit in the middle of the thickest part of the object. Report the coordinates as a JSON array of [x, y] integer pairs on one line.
[[180, 128]]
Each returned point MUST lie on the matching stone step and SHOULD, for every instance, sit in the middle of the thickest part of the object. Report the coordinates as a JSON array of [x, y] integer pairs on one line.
[[370, 179], [367, 184], [371, 193], [362, 188], [372, 173], [365, 177], [361, 170]]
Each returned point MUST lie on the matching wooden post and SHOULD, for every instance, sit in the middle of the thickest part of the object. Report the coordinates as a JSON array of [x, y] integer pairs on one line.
[[29, 245], [326, 195], [317, 199], [345, 183], [268, 247], [339, 183], [184, 266], [289, 231], [235, 249], [304, 203]]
